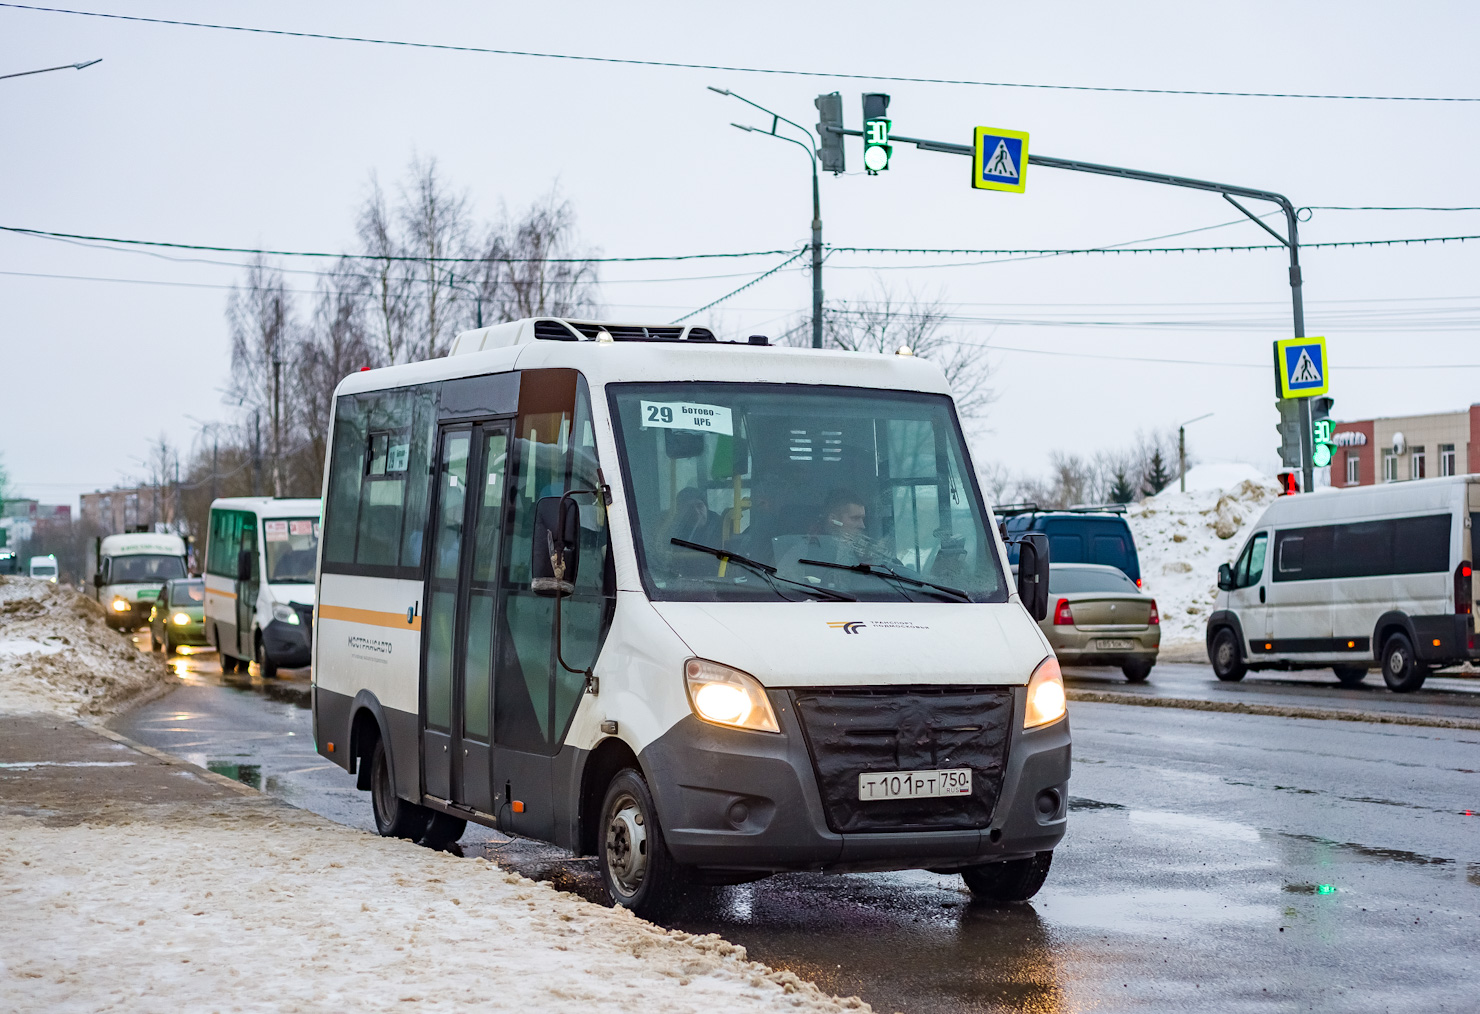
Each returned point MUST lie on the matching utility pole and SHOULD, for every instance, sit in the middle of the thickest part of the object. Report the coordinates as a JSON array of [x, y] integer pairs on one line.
[[256, 451], [277, 445], [810, 147], [1182, 449]]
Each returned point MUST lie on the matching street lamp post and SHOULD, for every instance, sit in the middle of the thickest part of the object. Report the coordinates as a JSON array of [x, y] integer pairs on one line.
[[810, 148], [44, 70], [1182, 449]]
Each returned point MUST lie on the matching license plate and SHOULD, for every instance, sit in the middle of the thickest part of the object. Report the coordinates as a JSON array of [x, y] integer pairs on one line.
[[1112, 644], [914, 784], [148, 593]]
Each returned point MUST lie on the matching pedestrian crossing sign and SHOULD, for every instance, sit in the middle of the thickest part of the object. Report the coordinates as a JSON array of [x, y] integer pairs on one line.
[[1302, 367], [1000, 160]]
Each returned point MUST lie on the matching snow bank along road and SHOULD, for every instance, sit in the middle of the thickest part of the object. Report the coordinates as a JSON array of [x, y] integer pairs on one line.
[[130, 881]]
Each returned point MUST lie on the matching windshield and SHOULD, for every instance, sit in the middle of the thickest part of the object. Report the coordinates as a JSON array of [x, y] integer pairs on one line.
[[126, 569], [292, 546], [796, 478], [43, 569], [1067, 580], [188, 593]]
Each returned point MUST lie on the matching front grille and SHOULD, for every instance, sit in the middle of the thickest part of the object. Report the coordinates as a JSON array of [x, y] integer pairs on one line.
[[305, 617], [851, 730]]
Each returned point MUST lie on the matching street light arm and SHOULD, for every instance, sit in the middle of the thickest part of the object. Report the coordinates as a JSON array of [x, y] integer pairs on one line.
[[780, 137], [775, 118], [44, 70]]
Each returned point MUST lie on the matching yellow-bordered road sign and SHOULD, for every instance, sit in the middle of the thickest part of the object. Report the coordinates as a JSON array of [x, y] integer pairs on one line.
[[1000, 160], [1302, 367]]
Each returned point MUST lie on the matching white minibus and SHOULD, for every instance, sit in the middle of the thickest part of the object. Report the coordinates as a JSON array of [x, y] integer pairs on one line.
[[44, 568], [1378, 576], [129, 572], [705, 610], [260, 558]]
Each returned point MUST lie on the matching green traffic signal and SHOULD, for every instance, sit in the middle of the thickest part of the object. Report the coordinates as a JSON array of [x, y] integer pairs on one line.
[[876, 146], [1320, 455]]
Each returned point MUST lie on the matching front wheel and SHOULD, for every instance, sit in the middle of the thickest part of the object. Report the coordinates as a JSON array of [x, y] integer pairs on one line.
[[1401, 670], [636, 868], [264, 661], [394, 816], [1005, 882], [1228, 661], [1137, 671]]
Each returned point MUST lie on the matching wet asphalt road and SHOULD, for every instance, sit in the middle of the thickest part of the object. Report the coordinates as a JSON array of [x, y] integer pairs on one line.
[[1214, 861]]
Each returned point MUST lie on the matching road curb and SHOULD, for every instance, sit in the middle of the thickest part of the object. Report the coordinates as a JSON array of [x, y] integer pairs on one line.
[[1273, 710], [240, 788]]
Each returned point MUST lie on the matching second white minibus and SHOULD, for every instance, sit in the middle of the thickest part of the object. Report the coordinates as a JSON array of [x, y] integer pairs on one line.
[[705, 610]]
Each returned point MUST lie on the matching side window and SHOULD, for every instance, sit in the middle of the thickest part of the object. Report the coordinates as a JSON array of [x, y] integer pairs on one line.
[[1291, 555], [379, 482], [226, 542], [1110, 550], [1066, 549], [1251, 565]]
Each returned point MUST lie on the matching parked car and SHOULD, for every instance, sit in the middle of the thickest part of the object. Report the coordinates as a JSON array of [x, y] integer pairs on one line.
[[1096, 534], [1377, 576], [1097, 616], [179, 615]]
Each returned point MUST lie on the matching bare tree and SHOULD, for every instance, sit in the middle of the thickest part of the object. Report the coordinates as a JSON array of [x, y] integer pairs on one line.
[[387, 286], [435, 227], [540, 272], [263, 333], [333, 345]]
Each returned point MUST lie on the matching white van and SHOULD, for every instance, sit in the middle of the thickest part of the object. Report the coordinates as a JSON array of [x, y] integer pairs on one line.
[[1378, 576], [44, 568], [260, 557], [129, 572], [705, 610]]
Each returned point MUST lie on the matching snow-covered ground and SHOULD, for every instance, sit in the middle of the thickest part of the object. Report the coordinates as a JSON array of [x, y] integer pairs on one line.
[[1181, 539], [57, 654]]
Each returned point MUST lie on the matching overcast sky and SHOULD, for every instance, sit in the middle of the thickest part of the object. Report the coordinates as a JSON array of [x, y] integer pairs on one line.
[[228, 138]]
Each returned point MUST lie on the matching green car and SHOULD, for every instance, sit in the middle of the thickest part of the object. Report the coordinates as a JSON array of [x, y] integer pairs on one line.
[[178, 616]]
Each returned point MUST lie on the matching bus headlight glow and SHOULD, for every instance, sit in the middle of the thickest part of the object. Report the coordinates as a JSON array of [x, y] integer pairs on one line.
[[120, 605], [725, 696], [1046, 699], [287, 614], [180, 619]]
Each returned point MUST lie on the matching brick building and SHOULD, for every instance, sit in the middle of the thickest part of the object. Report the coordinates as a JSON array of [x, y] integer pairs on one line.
[[1397, 448], [127, 510]]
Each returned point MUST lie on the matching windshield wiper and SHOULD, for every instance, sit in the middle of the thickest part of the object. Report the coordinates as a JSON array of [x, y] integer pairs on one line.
[[890, 572], [766, 571]]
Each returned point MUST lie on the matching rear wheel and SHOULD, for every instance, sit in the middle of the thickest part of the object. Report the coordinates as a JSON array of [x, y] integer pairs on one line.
[[394, 816], [1228, 661], [1401, 670], [1350, 675], [1137, 671], [635, 864], [1013, 880]]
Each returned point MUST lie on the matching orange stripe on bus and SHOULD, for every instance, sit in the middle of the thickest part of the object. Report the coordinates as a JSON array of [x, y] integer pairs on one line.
[[372, 617], [224, 595]]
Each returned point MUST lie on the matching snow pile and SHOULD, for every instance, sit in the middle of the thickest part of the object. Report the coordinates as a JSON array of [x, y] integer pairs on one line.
[[312, 916], [57, 654], [1181, 539]]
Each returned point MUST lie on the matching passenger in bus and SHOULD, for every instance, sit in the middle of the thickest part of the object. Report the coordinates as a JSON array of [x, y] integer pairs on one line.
[[690, 519], [844, 531]]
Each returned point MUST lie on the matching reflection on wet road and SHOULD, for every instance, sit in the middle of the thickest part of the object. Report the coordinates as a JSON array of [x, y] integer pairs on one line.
[[1213, 862]]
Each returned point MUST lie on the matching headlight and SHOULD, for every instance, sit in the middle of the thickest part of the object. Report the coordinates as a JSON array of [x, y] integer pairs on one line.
[[120, 605], [285, 613], [726, 696], [1046, 700], [180, 619]]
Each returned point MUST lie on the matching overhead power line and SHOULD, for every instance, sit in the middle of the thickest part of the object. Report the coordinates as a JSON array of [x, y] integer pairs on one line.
[[758, 278], [1064, 251], [677, 65]]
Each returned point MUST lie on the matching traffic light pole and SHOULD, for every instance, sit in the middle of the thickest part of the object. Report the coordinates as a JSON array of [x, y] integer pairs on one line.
[[1291, 240]]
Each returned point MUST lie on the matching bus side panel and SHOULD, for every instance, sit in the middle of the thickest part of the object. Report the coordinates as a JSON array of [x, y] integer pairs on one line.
[[363, 643], [220, 610]]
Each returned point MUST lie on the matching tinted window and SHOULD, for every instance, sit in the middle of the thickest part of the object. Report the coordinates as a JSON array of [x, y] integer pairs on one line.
[[187, 593], [1066, 549], [1072, 580], [1363, 549], [1110, 551], [146, 568], [225, 541]]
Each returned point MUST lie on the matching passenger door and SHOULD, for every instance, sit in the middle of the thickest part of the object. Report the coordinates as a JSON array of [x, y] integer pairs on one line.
[[246, 591], [1248, 597], [458, 623]]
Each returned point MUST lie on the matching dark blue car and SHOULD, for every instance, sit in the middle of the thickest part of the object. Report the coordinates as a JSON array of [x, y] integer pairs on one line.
[[1078, 535]]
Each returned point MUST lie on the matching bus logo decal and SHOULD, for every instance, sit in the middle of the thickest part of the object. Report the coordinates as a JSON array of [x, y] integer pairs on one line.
[[847, 626]]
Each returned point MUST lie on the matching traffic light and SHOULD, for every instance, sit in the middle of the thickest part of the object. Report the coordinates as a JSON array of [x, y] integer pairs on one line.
[[1289, 429], [829, 128], [876, 146], [1289, 482], [1323, 432]]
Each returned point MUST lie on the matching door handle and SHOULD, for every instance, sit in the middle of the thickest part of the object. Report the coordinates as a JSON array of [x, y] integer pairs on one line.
[[1261, 594]]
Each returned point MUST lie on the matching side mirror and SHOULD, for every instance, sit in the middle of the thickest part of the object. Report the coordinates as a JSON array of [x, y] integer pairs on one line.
[[98, 580], [1032, 574], [244, 565], [556, 549], [1225, 577]]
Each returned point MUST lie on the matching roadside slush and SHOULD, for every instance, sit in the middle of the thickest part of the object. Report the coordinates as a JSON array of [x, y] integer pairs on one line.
[[134, 881]]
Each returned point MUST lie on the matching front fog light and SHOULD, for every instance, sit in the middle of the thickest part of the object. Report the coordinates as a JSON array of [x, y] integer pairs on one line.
[[726, 696], [1046, 700], [120, 605], [285, 613]]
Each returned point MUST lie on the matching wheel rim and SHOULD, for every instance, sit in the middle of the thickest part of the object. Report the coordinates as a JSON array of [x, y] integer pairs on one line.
[[1225, 654], [626, 844], [1398, 662], [380, 789]]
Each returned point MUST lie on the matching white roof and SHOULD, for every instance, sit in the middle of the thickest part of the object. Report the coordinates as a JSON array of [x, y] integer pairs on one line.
[[1393, 498], [270, 506], [656, 361], [143, 542]]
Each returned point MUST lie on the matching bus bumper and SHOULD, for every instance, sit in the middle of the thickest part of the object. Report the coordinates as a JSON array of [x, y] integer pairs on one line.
[[287, 644], [749, 802]]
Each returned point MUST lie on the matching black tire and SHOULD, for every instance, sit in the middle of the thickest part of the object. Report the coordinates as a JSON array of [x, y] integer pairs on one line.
[[1137, 671], [153, 641], [228, 663], [1350, 675], [265, 663], [1401, 669], [394, 816], [636, 867], [1010, 881], [442, 830], [1227, 659]]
